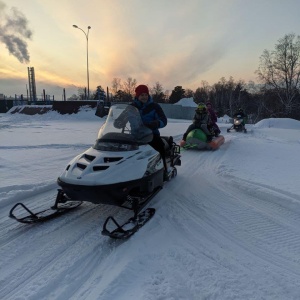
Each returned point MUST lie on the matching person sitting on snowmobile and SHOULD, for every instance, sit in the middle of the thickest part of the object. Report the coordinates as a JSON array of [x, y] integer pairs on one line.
[[240, 114], [213, 118], [153, 117], [201, 121]]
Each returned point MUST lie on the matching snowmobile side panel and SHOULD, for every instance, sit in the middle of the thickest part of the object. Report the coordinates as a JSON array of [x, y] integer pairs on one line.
[[111, 194]]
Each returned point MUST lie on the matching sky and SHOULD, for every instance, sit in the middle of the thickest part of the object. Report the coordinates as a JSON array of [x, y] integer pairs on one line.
[[173, 42], [227, 227]]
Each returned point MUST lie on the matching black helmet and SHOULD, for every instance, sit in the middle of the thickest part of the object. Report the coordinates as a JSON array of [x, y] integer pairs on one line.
[[240, 109]]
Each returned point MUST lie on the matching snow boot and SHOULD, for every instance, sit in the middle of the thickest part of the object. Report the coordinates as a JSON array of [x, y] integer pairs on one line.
[[167, 174]]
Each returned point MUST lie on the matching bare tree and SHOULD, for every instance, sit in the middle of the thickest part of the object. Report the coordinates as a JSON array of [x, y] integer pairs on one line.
[[228, 95], [73, 97], [280, 70], [129, 86], [202, 93], [81, 91], [189, 93], [116, 85], [157, 88], [157, 93]]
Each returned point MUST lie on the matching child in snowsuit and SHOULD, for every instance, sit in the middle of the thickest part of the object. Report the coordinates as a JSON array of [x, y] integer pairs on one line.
[[201, 121], [213, 118]]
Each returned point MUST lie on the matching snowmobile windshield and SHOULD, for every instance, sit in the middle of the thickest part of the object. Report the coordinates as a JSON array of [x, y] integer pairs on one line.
[[123, 130]]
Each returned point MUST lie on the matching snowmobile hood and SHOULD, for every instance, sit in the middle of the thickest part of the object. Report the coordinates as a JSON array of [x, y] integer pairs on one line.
[[94, 167]]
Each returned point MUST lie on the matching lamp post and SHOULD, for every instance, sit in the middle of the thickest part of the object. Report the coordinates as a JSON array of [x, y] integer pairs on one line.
[[87, 57]]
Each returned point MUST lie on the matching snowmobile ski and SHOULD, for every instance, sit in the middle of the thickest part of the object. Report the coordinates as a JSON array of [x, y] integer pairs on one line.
[[46, 214], [130, 227], [133, 224]]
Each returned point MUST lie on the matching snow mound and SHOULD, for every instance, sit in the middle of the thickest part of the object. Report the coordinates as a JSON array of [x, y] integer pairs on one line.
[[186, 102], [224, 119], [284, 123], [85, 113]]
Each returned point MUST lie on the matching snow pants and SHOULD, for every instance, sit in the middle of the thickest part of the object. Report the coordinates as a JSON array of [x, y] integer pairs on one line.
[[158, 144]]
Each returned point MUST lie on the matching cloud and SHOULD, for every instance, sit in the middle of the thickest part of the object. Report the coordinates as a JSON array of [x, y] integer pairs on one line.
[[178, 48], [14, 32]]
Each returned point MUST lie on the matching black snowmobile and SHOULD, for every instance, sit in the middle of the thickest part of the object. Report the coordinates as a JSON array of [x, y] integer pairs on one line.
[[120, 169], [238, 126]]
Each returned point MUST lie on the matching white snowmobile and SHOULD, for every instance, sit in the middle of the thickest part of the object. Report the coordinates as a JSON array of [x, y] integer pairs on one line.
[[120, 169]]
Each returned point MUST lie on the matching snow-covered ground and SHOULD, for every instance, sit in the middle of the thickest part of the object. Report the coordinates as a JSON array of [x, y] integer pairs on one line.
[[227, 227]]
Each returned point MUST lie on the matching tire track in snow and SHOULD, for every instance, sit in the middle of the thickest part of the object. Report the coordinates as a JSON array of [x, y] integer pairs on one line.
[[75, 236], [240, 220]]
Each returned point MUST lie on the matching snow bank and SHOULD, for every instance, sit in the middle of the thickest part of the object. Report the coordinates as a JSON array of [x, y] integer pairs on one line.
[[283, 123], [85, 113], [186, 102], [224, 119]]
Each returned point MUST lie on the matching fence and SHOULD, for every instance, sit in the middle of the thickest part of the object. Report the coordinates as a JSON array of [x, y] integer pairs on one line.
[[69, 107], [7, 104]]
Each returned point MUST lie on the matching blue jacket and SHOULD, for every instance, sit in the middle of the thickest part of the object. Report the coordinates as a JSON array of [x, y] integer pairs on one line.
[[150, 112]]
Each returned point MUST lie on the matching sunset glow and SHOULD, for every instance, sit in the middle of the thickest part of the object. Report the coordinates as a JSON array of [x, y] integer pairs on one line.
[[171, 42]]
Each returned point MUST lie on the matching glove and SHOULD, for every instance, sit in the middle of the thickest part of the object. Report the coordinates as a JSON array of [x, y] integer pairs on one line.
[[153, 124], [182, 143]]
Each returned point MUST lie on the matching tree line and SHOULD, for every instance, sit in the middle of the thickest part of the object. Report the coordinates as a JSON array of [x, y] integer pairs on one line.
[[276, 95]]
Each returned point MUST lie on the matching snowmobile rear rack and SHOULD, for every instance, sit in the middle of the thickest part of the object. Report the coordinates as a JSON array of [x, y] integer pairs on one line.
[[46, 214]]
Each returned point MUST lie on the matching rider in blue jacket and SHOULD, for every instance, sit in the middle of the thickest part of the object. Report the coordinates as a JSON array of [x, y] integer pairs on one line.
[[153, 117], [151, 113]]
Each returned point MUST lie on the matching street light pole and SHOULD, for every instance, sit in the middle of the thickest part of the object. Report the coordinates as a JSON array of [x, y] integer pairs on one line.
[[87, 56]]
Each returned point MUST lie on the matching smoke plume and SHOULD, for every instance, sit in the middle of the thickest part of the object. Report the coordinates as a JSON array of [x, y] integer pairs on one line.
[[14, 32]]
